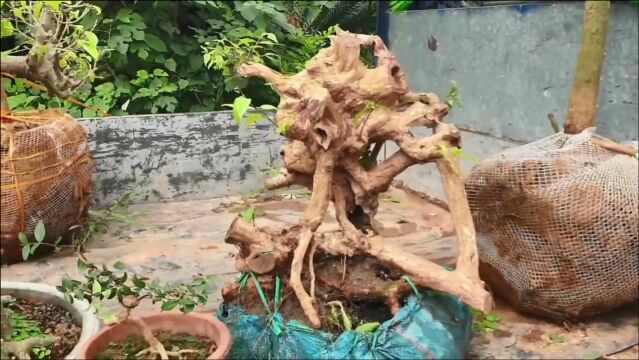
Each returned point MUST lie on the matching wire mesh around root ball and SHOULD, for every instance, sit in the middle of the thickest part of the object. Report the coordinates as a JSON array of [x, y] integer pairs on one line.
[[46, 176], [558, 226]]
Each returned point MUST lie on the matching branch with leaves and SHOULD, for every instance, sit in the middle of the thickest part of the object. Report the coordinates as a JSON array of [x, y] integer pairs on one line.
[[97, 222], [54, 46], [102, 283]]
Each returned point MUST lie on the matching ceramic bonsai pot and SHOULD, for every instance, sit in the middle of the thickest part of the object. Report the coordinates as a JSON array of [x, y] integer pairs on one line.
[[192, 324], [79, 310]]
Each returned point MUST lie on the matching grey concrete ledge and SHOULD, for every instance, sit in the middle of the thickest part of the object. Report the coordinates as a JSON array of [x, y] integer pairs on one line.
[[179, 156]]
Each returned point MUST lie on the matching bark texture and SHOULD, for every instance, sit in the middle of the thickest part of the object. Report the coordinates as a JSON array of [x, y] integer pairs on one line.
[[582, 110], [337, 114]]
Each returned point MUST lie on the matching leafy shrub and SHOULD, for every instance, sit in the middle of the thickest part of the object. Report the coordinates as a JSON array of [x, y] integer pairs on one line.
[[154, 52]]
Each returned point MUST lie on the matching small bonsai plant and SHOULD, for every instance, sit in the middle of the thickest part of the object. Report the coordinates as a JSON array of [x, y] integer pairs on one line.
[[102, 283], [27, 343]]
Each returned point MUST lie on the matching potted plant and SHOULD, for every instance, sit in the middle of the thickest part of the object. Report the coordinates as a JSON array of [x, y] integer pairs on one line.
[[37, 322], [164, 335]]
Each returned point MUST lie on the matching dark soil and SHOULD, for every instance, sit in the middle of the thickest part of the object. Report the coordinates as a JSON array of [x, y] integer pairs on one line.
[[33, 318], [133, 344], [362, 271]]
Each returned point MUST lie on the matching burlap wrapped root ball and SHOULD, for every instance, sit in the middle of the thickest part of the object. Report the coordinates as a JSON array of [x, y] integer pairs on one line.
[[46, 176], [557, 224]]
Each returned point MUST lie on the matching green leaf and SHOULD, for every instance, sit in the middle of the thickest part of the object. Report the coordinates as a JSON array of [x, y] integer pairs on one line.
[[346, 320], [137, 34], [26, 251], [124, 15], [138, 282], [109, 318], [170, 64], [160, 72], [6, 28], [122, 48], [107, 293], [91, 45], [248, 11], [249, 215], [284, 129], [97, 288], [69, 284], [155, 42], [240, 105], [91, 38], [253, 118], [182, 83], [195, 62], [82, 266], [119, 265], [367, 327], [37, 9], [268, 107], [271, 37], [143, 54], [142, 74], [23, 239], [187, 307], [39, 231], [18, 12], [169, 305]]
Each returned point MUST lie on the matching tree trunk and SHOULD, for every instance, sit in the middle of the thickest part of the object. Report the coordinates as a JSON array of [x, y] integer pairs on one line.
[[582, 110]]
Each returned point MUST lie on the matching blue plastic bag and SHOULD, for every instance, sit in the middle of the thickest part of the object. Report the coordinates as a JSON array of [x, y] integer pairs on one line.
[[431, 325]]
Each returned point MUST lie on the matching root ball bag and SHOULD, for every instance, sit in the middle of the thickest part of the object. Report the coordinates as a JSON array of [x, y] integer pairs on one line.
[[557, 224], [46, 175], [432, 326]]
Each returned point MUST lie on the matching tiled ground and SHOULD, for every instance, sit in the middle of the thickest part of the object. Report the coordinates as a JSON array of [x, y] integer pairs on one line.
[[175, 241]]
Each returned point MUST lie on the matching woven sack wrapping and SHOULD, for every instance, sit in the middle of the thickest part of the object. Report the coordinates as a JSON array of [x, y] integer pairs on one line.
[[433, 326], [46, 175], [557, 224]]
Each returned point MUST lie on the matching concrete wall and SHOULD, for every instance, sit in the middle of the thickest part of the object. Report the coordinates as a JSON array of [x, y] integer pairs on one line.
[[516, 64], [179, 156], [205, 155]]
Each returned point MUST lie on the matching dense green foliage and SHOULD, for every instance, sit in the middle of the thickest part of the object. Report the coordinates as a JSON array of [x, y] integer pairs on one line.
[[154, 52]]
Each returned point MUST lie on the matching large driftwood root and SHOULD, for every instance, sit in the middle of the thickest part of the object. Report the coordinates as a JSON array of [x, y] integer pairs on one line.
[[338, 114], [423, 272]]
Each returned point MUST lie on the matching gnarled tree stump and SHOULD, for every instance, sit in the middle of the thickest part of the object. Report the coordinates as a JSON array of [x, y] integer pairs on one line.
[[337, 114]]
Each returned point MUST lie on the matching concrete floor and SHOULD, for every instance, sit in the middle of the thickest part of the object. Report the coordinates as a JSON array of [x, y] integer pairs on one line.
[[177, 240]]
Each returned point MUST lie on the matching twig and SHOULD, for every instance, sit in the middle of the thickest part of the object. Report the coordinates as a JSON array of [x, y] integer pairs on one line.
[[553, 123]]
